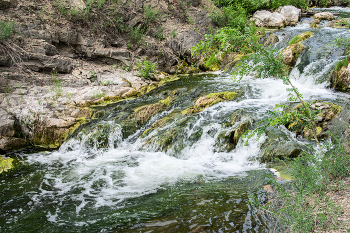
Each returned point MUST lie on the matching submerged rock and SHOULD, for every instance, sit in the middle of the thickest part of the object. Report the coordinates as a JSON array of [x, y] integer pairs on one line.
[[279, 146]]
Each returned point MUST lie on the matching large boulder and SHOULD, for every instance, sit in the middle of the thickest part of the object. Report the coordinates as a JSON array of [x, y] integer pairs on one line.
[[295, 48], [4, 4], [265, 18], [291, 15]]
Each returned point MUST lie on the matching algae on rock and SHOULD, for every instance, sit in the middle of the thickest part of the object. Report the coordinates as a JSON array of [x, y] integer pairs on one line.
[[206, 101], [6, 164]]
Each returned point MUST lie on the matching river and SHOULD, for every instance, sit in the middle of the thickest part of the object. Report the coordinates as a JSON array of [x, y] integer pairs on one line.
[[110, 176]]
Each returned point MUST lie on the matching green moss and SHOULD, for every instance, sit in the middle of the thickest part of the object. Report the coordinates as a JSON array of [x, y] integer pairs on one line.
[[283, 169], [213, 98], [169, 79], [6, 164], [336, 108], [146, 132], [166, 101], [187, 111], [339, 66], [300, 38]]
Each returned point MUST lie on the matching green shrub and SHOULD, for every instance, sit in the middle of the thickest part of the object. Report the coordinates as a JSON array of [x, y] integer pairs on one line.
[[146, 69], [56, 87], [230, 16], [253, 5], [150, 15], [135, 34], [159, 33], [6, 30]]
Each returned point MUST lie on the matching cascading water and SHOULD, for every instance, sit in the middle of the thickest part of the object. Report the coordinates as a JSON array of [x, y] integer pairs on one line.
[[111, 176]]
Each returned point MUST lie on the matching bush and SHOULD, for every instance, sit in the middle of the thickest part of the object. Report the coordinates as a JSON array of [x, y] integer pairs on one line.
[[230, 16], [6, 30], [135, 34], [146, 69], [253, 5], [150, 15]]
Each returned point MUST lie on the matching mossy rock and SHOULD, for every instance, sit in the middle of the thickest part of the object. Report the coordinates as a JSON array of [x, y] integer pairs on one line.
[[144, 113], [8, 166], [227, 140], [278, 146], [213, 98], [162, 122], [300, 38], [327, 112], [5, 164]]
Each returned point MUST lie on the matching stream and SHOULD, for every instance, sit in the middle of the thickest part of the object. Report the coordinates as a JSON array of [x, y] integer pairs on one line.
[[172, 173]]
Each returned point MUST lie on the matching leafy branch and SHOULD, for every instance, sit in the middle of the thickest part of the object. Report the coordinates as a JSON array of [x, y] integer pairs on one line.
[[266, 64]]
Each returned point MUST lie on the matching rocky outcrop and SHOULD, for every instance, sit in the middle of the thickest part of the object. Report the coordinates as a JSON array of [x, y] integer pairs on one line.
[[291, 54], [284, 16], [4, 4]]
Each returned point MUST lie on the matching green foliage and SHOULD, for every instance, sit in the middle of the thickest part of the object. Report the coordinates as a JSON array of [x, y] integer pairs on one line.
[[302, 205], [146, 69], [226, 40], [6, 29], [344, 23], [159, 33], [342, 42], [253, 5], [150, 15], [322, 3], [127, 68], [135, 34], [294, 40], [234, 16], [173, 34]]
